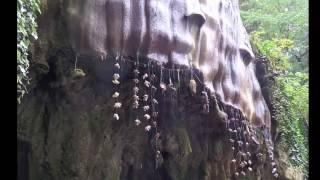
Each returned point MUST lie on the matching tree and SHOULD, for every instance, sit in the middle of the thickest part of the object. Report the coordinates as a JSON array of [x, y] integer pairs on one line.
[[281, 19], [279, 31]]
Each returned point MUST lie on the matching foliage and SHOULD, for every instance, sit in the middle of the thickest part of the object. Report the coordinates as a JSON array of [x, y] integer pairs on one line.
[[281, 19], [27, 11], [274, 49], [290, 97], [278, 31]]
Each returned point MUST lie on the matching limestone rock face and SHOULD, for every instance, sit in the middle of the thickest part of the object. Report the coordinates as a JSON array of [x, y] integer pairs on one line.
[[66, 129], [207, 34]]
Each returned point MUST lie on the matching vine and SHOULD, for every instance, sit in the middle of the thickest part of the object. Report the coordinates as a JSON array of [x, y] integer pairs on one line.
[[289, 98], [27, 11]]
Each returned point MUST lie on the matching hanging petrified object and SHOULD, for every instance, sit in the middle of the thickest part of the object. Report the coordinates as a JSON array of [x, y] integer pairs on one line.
[[116, 79], [136, 81], [115, 95], [145, 76], [117, 65], [77, 73], [193, 86], [154, 101], [137, 121], [217, 112], [136, 72], [147, 116], [135, 104], [135, 91], [145, 97], [171, 86], [205, 101], [274, 170], [255, 140], [147, 83], [116, 116], [116, 76], [135, 97], [147, 128], [154, 114], [192, 83], [152, 77], [162, 85], [154, 89], [117, 105], [154, 123], [159, 159], [146, 108]]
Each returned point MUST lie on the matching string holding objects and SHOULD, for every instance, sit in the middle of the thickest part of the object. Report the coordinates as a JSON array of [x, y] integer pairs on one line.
[[237, 126], [77, 73]]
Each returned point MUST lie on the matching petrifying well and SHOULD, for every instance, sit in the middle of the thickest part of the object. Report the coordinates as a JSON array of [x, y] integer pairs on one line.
[[207, 34], [71, 129]]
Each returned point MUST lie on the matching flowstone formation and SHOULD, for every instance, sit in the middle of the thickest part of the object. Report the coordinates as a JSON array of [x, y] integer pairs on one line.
[[144, 89], [208, 35]]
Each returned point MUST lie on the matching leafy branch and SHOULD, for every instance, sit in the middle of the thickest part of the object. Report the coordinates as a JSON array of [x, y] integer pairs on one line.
[[27, 11]]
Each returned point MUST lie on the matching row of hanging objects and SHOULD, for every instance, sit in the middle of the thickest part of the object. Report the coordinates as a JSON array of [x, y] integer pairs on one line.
[[237, 131], [147, 104], [150, 79], [116, 84], [269, 147], [240, 131], [241, 135], [135, 91]]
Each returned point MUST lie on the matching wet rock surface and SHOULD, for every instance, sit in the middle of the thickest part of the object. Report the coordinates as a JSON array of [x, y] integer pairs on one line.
[[206, 34], [67, 123]]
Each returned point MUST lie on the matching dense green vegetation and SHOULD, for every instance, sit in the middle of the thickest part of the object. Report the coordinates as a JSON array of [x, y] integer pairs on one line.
[[279, 31], [27, 11]]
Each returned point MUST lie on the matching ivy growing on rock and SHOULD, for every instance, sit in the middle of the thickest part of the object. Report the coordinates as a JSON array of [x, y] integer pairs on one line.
[[27, 11], [290, 101]]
